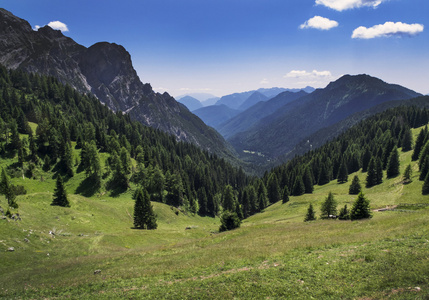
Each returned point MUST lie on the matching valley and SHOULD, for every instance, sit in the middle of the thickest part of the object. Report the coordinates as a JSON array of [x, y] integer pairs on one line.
[[112, 189]]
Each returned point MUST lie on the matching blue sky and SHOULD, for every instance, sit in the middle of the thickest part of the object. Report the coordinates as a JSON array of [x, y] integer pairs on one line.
[[226, 46]]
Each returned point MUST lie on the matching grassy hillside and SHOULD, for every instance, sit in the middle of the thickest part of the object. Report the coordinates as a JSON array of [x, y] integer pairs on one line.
[[273, 255]]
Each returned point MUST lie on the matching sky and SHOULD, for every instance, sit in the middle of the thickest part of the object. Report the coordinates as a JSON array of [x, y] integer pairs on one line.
[[226, 46]]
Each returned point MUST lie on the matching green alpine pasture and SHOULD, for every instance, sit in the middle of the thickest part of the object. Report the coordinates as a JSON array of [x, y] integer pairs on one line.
[[91, 251]]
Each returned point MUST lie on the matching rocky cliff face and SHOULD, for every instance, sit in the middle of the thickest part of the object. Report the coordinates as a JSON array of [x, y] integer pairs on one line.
[[104, 69]]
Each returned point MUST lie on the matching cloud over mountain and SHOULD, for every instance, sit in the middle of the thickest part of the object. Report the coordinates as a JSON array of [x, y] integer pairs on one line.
[[57, 25], [387, 29], [341, 5], [319, 22]]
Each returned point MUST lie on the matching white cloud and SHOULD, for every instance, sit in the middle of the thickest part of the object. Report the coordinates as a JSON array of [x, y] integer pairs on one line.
[[304, 74], [57, 25], [319, 22], [387, 29], [341, 5], [264, 81]]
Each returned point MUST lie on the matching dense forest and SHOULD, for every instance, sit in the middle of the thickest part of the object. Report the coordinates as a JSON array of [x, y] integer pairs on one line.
[[116, 153]]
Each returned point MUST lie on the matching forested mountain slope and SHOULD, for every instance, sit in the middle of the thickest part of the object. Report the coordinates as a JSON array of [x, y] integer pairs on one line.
[[106, 71], [278, 133]]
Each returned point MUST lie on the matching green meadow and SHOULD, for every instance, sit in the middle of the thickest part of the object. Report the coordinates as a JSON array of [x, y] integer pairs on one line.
[[273, 255]]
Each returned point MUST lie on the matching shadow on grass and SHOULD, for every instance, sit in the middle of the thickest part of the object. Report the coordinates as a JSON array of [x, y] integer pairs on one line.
[[88, 187]]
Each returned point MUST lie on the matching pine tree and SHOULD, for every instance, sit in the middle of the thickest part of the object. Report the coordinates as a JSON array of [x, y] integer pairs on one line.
[[144, 217], [355, 186], [360, 209], [323, 175], [60, 195], [407, 140], [365, 160], [311, 214], [393, 164], [228, 199], [6, 189], [379, 171], [344, 213], [329, 207], [419, 145], [298, 187], [371, 177], [407, 174], [308, 181], [273, 189], [425, 188], [285, 195], [343, 174]]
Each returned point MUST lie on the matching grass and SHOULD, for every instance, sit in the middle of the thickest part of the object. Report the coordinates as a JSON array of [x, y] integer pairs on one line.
[[273, 255]]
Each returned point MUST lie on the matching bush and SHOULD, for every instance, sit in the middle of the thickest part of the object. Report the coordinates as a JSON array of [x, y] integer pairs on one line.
[[229, 221]]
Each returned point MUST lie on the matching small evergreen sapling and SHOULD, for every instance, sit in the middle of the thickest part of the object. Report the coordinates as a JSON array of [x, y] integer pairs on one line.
[[344, 213], [407, 174], [229, 220], [311, 214]]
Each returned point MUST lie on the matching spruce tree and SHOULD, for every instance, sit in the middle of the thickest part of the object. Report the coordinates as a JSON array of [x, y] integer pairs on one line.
[[343, 174], [379, 171], [355, 186], [308, 181], [144, 217], [6, 189], [298, 187], [425, 188], [323, 175], [407, 174], [285, 195], [360, 209], [371, 177], [60, 195], [273, 189], [329, 207], [407, 140], [344, 213], [228, 198], [393, 164], [311, 214], [419, 145]]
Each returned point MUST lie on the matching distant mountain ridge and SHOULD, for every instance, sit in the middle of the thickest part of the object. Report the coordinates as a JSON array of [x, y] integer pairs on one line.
[[278, 133], [215, 115], [190, 102], [105, 70]]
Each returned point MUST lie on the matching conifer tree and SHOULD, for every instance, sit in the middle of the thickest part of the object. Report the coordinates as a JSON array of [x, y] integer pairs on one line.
[[228, 199], [323, 175], [60, 195], [407, 174], [308, 181], [379, 171], [298, 187], [7, 190], [360, 209], [311, 214], [285, 195], [229, 220], [343, 174], [419, 145], [371, 177], [344, 213], [329, 207], [393, 164], [273, 189], [365, 160], [407, 140], [355, 186], [144, 217]]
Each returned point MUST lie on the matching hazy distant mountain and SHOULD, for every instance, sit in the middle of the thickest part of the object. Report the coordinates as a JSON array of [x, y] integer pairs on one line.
[[215, 115], [104, 70], [272, 92], [199, 96], [254, 114], [234, 100], [252, 100], [210, 101], [279, 132], [190, 102]]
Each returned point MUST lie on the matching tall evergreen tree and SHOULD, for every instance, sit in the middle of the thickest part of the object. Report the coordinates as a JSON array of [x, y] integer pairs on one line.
[[298, 187], [60, 194], [285, 195], [311, 214], [228, 199], [273, 189], [371, 177], [419, 144], [355, 186], [393, 164], [379, 171], [144, 216], [329, 207], [323, 175], [407, 140], [425, 188], [307, 178], [343, 174], [360, 209], [7, 190]]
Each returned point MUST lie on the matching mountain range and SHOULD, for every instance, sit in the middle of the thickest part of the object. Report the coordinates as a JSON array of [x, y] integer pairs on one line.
[[278, 133], [105, 70]]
